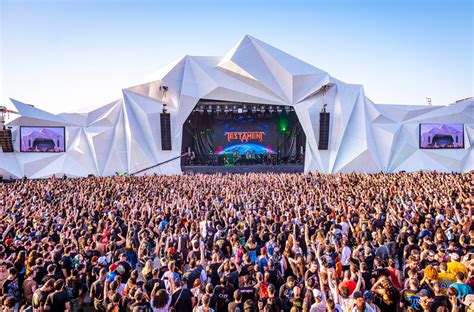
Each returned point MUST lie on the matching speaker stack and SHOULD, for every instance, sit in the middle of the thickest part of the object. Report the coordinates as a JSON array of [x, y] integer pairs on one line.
[[323, 142], [6, 141], [165, 122]]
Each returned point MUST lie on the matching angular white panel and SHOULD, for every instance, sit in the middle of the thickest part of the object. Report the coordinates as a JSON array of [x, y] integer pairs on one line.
[[125, 135]]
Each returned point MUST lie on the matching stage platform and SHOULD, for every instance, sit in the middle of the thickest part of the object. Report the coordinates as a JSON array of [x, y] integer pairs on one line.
[[285, 168]]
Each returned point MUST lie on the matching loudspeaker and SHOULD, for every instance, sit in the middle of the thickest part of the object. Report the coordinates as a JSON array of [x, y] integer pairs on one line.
[[165, 122], [323, 142], [6, 141]]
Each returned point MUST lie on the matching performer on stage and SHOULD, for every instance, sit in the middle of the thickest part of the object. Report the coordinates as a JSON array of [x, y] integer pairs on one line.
[[236, 156]]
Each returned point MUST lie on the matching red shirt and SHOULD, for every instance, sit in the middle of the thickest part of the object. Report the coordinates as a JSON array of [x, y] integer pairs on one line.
[[350, 284]]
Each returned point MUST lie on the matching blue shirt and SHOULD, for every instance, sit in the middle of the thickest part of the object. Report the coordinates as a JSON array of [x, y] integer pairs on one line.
[[463, 289]]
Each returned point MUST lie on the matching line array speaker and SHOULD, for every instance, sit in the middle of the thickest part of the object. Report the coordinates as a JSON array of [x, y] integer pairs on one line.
[[165, 121], [6, 141], [323, 142]]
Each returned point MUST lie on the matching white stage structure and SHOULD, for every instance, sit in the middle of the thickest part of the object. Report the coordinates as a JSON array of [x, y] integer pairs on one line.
[[124, 136]]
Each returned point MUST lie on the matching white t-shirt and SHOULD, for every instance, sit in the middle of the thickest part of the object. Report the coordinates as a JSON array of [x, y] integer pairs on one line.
[[345, 255], [345, 228]]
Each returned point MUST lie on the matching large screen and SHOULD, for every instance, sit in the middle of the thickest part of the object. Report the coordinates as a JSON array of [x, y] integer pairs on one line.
[[244, 135], [42, 139], [247, 134], [440, 136]]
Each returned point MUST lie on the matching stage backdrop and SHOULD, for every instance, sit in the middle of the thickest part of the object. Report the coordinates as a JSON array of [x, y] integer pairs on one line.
[[259, 134]]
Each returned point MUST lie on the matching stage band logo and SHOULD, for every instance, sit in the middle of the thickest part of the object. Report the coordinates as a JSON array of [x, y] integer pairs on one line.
[[244, 137]]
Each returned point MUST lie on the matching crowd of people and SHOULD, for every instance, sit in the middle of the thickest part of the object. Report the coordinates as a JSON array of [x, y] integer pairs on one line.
[[251, 242]]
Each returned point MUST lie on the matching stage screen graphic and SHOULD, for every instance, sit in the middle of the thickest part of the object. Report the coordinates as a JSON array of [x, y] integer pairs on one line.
[[243, 136], [441, 136], [42, 139]]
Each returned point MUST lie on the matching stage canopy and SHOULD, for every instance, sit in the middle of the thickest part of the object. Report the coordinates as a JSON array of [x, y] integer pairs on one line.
[[125, 135]]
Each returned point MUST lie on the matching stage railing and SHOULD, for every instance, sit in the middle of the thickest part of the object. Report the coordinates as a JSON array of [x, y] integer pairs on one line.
[[159, 164]]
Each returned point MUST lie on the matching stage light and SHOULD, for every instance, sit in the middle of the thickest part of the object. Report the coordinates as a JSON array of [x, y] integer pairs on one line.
[[283, 122]]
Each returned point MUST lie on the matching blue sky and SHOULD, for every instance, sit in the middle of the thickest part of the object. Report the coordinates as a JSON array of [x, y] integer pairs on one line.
[[70, 54]]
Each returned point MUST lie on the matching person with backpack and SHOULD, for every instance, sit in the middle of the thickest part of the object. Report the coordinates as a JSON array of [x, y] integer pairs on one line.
[[182, 299]]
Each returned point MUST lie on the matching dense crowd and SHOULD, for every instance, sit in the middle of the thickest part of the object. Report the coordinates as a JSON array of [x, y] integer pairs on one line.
[[253, 242]]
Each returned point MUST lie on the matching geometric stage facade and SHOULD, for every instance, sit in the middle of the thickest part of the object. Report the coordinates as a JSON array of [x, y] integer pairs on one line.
[[124, 136]]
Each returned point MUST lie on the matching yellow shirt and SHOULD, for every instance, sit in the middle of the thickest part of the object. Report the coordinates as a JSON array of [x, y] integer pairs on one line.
[[455, 267], [444, 280]]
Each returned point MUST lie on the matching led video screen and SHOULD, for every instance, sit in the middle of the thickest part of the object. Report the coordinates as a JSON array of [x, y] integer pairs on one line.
[[245, 135], [42, 139], [242, 136], [441, 136]]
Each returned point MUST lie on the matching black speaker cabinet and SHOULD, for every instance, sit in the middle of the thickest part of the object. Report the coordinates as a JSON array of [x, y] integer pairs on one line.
[[165, 121]]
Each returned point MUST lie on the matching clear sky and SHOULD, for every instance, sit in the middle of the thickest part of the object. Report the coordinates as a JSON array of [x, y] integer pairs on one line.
[[65, 55]]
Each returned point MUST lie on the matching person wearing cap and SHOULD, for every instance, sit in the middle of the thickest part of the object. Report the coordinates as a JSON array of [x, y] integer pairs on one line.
[[359, 303], [369, 302], [319, 304], [425, 300]]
